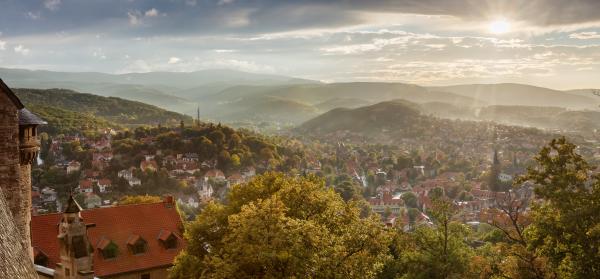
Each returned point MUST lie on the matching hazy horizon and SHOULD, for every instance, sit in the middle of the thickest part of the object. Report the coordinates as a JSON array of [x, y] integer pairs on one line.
[[546, 43]]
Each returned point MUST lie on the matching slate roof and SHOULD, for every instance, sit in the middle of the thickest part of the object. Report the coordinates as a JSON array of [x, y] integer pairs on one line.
[[27, 117], [117, 224], [72, 206]]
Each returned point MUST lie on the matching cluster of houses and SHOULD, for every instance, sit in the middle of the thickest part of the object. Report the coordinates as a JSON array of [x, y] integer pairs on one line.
[[94, 180]]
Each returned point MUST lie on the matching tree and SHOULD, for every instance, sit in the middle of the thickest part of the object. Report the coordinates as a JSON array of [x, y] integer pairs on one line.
[[436, 193], [139, 199], [566, 221], [282, 227], [509, 218], [436, 251], [410, 199]]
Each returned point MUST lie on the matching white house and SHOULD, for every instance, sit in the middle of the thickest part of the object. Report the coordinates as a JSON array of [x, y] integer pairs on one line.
[[104, 185], [205, 190]]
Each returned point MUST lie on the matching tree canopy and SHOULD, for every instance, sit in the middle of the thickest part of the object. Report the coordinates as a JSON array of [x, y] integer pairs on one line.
[[283, 227]]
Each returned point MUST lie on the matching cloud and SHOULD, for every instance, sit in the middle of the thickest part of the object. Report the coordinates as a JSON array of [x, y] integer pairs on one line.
[[151, 13], [224, 2], [191, 3], [174, 60], [34, 15], [2, 45], [134, 17], [225, 50], [20, 49], [52, 5], [585, 35]]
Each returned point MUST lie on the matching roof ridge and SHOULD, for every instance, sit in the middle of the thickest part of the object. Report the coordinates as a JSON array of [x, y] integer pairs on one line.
[[114, 206]]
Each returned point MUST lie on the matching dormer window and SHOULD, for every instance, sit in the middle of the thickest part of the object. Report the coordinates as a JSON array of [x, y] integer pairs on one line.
[[109, 249], [168, 239], [137, 244]]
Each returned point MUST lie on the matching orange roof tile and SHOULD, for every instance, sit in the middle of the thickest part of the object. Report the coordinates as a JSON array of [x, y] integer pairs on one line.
[[116, 224]]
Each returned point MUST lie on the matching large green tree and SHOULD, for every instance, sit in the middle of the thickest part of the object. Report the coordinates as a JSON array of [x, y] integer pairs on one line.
[[435, 250], [283, 227], [566, 221]]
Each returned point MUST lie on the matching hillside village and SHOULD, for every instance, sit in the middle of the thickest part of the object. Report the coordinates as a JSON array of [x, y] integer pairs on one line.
[[201, 162]]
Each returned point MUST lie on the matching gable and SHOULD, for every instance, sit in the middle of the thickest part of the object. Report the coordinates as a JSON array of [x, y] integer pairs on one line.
[[4, 89]]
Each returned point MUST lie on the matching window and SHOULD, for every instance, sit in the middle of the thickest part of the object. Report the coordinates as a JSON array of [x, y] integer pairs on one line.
[[110, 251], [137, 245], [145, 276], [171, 242], [41, 259], [80, 250]]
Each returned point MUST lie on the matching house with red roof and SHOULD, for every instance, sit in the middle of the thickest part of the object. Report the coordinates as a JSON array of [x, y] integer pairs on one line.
[[104, 185], [128, 241], [86, 186], [215, 174]]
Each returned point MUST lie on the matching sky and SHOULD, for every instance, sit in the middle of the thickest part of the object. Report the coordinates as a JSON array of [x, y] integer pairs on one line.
[[551, 43]]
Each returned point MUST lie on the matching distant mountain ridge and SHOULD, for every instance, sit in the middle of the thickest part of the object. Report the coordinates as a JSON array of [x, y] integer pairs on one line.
[[403, 116], [232, 96], [523, 95]]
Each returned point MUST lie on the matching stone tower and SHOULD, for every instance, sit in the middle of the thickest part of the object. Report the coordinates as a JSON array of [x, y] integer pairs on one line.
[[75, 250], [18, 149]]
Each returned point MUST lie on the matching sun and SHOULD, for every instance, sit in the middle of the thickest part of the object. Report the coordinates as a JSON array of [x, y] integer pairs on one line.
[[499, 26]]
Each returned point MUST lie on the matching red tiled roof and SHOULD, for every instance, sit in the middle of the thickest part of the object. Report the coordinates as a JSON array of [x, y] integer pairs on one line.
[[164, 235], [104, 181], [214, 173], [85, 184], [116, 224]]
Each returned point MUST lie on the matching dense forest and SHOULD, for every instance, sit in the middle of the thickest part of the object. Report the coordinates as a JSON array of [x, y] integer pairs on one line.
[[112, 109], [68, 122]]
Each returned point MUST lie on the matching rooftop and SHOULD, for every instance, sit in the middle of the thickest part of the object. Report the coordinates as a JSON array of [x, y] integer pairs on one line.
[[117, 224]]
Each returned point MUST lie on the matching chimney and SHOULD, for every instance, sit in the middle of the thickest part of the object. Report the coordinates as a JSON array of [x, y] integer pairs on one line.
[[169, 201]]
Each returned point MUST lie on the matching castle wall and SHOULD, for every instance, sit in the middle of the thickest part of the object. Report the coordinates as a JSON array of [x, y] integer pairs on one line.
[[15, 180], [14, 261]]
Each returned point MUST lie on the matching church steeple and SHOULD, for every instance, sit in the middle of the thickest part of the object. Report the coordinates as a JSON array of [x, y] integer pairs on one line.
[[496, 160], [75, 252]]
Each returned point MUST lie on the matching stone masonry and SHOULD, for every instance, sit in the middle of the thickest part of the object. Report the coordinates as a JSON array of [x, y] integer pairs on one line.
[[15, 179]]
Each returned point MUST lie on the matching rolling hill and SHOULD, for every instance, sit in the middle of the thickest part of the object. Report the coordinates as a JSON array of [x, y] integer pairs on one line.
[[522, 95], [365, 120], [111, 109], [176, 91], [62, 121]]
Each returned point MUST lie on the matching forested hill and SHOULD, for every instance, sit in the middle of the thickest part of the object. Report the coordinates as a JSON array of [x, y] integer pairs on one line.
[[116, 110], [368, 119], [62, 121]]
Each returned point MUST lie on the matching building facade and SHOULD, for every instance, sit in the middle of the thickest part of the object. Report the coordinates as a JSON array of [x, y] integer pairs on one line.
[[18, 149]]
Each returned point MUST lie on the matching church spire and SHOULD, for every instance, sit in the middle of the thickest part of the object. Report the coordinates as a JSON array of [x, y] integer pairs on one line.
[[496, 160], [72, 206], [74, 246]]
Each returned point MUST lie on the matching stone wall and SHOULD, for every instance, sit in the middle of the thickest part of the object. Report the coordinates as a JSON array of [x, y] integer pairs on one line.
[[14, 261], [15, 180]]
